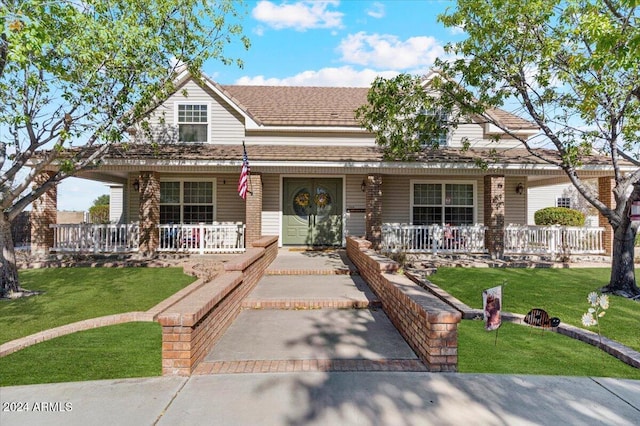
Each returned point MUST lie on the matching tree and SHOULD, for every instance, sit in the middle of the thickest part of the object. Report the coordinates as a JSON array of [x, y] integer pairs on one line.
[[102, 200], [79, 74], [571, 68], [99, 211]]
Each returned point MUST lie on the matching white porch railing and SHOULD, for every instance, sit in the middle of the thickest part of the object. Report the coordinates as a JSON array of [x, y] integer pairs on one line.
[[94, 238], [405, 238], [553, 240], [227, 237]]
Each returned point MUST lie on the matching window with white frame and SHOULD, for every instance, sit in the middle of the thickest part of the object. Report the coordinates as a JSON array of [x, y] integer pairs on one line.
[[187, 202], [440, 139], [443, 203], [563, 202], [193, 122]]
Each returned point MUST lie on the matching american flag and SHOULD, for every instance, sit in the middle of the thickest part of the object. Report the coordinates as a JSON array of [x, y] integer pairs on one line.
[[244, 175]]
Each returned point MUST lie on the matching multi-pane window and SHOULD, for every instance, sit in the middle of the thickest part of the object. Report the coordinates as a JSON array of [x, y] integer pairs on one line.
[[563, 202], [436, 203], [186, 202], [192, 122], [441, 117]]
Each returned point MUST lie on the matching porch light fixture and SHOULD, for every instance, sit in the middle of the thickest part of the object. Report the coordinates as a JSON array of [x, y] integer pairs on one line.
[[363, 186], [136, 185], [520, 189], [635, 211]]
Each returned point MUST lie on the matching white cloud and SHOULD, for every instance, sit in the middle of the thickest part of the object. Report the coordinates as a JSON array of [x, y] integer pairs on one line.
[[376, 10], [389, 52], [301, 16], [344, 76]]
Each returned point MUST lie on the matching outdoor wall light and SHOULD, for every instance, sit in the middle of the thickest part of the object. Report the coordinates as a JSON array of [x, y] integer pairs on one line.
[[520, 189], [136, 184], [363, 186]]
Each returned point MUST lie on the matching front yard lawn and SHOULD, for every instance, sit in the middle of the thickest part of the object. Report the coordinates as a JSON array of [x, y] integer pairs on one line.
[[75, 294], [560, 292]]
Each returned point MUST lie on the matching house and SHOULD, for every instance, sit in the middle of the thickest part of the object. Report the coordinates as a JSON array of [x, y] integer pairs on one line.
[[316, 177]]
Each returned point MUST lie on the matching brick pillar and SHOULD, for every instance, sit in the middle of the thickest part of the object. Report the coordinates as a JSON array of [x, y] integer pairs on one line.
[[253, 210], [44, 212], [605, 194], [494, 215], [373, 204], [149, 212]]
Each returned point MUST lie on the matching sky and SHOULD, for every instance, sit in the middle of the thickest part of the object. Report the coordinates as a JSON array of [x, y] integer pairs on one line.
[[318, 43]]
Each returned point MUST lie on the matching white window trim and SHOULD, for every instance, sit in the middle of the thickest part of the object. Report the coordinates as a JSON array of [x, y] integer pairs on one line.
[[175, 116], [182, 180], [474, 183], [563, 198]]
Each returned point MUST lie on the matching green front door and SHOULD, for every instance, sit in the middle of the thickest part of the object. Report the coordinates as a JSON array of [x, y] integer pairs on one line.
[[312, 211]]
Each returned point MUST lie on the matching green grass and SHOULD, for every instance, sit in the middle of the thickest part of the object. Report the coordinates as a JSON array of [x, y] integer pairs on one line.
[[521, 350], [560, 292], [75, 294], [118, 351]]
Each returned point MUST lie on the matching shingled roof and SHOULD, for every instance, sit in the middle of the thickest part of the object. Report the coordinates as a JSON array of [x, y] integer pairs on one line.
[[319, 106], [356, 154]]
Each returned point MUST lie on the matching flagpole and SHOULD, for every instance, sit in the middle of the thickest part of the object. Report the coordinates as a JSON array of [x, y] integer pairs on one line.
[[244, 151]]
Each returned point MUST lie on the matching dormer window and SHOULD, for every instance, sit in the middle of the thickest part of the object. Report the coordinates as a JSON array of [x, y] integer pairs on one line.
[[440, 117], [193, 123]]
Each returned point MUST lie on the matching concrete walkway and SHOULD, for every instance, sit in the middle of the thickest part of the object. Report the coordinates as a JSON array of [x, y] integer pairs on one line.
[[286, 362]]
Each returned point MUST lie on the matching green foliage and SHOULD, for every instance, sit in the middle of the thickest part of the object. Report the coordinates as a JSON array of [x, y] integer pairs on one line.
[[99, 214], [405, 115], [88, 70], [75, 294], [102, 200], [559, 216], [114, 352]]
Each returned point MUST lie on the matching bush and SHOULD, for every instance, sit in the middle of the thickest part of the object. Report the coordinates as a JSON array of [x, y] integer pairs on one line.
[[559, 216]]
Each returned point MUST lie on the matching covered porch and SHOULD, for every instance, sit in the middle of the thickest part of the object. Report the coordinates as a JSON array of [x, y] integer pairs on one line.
[[443, 203]]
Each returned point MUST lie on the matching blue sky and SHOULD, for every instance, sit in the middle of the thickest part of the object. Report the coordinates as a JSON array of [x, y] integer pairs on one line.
[[319, 43]]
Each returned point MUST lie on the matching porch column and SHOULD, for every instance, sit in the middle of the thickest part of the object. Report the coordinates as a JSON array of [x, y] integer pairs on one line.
[[149, 212], [494, 215], [44, 212], [605, 194], [373, 205], [253, 210]]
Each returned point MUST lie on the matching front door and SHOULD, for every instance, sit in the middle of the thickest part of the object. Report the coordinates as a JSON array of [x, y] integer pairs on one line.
[[312, 211]]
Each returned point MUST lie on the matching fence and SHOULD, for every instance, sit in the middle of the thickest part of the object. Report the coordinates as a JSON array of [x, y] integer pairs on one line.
[[553, 240], [121, 238], [433, 238], [88, 237], [227, 237]]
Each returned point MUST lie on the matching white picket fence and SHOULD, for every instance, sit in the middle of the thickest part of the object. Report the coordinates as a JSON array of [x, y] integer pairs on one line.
[[518, 239], [94, 238], [219, 237], [553, 240], [122, 238], [434, 239]]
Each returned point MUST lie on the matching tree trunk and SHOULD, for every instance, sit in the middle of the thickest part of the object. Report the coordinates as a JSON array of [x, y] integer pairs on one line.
[[623, 279], [8, 265]]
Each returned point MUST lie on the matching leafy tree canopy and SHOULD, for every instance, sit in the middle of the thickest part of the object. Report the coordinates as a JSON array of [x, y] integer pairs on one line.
[[102, 200]]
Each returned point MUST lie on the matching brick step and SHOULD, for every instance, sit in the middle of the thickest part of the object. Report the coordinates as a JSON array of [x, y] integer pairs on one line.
[[307, 365], [311, 304]]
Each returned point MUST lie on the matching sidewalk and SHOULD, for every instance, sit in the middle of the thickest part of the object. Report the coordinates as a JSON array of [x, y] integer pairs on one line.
[[337, 398]]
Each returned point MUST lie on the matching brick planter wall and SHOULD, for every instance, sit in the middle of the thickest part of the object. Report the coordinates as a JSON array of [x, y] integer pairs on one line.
[[192, 326], [429, 325]]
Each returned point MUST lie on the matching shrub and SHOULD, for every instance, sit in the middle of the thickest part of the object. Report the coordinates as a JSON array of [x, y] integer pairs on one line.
[[559, 216]]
